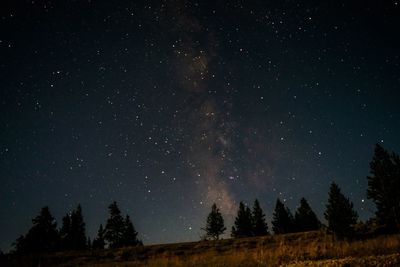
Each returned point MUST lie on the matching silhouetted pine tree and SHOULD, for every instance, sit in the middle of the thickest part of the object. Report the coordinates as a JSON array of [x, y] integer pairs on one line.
[[215, 223], [98, 242], [305, 218], [77, 230], [115, 227], [282, 221], [130, 234], [260, 226], [383, 186], [340, 213], [243, 226], [72, 232], [42, 237], [65, 233]]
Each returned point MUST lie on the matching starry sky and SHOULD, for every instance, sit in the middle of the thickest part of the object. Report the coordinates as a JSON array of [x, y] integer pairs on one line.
[[169, 106]]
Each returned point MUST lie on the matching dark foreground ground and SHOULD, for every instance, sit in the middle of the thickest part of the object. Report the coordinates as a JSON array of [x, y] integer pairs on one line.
[[301, 249]]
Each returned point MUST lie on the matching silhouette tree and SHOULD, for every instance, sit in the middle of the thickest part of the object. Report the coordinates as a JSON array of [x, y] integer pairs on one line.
[[98, 242], [115, 227], [340, 213], [130, 234], [260, 227], [383, 185], [305, 218], [282, 221], [72, 232], [42, 237], [243, 226], [77, 230], [215, 223], [65, 235]]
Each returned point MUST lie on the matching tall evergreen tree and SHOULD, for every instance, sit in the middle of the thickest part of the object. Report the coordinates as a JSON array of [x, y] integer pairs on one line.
[[282, 221], [72, 232], [243, 226], [77, 230], [115, 227], [260, 226], [340, 213], [305, 218], [98, 242], [65, 233], [42, 237], [130, 234], [383, 185], [215, 223]]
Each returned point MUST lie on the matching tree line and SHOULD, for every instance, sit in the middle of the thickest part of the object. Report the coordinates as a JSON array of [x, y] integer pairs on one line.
[[44, 236], [342, 219], [252, 222]]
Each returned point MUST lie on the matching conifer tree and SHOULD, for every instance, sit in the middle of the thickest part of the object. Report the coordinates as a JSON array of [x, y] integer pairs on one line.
[[42, 237], [243, 226], [65, 233], [383, 186], [77, 230], [260, 226], [282, 221], [115, 227], [130, 234], [98, 242], [305, 218], [340, 213], [72, 232], [215, 223]]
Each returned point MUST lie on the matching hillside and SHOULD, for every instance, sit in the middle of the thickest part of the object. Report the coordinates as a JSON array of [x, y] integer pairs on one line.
[[300, 249]]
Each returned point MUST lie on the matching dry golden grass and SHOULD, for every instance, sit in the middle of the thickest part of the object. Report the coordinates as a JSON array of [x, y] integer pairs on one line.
[[302, 249]]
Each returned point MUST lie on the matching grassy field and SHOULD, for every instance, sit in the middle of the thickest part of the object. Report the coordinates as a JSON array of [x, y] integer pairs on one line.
[[301, 249]]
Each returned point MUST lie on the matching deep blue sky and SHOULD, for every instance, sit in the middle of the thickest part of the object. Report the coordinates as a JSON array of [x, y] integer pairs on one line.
[[169, 106]]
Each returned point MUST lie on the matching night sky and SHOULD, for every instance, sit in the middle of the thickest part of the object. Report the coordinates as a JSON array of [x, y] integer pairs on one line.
[[169, 106]]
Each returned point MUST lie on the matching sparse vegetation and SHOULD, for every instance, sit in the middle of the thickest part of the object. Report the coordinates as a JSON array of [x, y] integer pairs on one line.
[[297, 249]]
